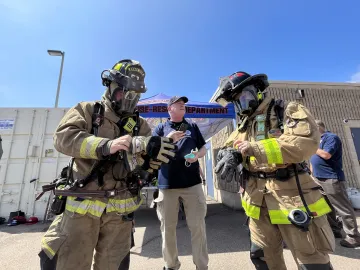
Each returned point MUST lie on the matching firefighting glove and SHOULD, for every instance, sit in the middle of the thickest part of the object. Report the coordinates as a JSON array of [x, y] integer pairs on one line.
[[156, 147], [140, 162], [227, 162], [149, 164]]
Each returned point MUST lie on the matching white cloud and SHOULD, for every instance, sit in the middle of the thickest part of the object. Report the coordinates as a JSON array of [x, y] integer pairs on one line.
[[355, 78]]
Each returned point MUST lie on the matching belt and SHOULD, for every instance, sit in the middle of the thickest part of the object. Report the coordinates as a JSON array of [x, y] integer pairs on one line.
[[280, 174], [89, 193]]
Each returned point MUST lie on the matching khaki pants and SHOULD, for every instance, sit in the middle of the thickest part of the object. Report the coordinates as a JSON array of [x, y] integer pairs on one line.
[[309, 249], [195, 209], [109, 236], [335, 191]]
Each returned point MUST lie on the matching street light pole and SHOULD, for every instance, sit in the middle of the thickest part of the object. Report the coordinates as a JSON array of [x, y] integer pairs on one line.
[[62, 54]]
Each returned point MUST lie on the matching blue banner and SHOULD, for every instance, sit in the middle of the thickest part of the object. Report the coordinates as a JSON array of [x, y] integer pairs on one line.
[[156, 107]]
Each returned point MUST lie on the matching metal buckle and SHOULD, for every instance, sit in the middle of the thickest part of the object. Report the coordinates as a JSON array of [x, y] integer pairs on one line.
[[110, 193]]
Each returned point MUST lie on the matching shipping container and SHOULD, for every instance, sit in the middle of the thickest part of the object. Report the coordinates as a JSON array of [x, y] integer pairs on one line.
[[27, 141], [30, 160]]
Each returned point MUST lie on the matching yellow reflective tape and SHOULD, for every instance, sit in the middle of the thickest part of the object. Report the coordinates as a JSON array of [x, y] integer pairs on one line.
[[93, 148], [122, 206], [47, 247], [75, 209], [95, 208], [121, 210], [252, 211], [320, 207], [118, 66], [88, 147], [272, 151]]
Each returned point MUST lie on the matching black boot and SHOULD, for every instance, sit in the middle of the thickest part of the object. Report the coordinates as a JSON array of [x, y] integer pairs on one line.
[[46, 263]]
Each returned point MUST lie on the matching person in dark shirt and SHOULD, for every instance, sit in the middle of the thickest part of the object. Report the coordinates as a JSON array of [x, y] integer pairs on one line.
[[326, 166], [1, 150], [180, 179]]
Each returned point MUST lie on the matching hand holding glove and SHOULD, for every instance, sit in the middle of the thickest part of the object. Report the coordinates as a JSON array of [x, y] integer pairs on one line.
[[244, 148], [150, 165], [141, 162], [227, 162], [156, 147]]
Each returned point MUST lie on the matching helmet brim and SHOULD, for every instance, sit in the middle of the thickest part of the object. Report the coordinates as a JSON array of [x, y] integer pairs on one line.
[[259, 80]]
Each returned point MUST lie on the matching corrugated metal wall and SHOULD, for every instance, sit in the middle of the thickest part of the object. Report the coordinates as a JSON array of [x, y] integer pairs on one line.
[[331, 104], [28, 154]]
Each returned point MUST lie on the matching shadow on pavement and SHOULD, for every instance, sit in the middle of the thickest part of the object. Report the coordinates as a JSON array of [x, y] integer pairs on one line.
[[225, 232]]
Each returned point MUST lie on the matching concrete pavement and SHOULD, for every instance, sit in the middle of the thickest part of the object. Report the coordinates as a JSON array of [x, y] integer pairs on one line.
[[228, 244]]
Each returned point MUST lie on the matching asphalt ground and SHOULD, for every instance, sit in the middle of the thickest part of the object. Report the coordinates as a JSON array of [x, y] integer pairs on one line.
[[228, 243]]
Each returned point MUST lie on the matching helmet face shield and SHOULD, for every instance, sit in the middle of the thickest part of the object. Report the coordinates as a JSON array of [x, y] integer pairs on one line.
[[222, 101], [133, 82], [122, 99], [224, 90]]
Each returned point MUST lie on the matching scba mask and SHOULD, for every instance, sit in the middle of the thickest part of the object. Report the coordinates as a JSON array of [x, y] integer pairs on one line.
[[123, 100], [247, 101]]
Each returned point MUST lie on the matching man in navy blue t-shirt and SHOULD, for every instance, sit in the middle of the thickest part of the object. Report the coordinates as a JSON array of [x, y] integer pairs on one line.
[[180, 179], [326, 166]]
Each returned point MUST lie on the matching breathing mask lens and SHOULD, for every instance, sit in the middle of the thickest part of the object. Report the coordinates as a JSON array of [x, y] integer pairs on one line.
[[131, 95], [122, 99], [130, 100], [245, 99]]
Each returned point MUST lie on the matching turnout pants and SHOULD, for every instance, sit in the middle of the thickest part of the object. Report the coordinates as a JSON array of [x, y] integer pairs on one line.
[[309, 249], [195, 210], [72, 239]]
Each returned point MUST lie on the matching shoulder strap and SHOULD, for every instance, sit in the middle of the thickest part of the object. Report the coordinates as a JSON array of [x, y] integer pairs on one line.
[[279, 110], [97, 117], [137, 125]]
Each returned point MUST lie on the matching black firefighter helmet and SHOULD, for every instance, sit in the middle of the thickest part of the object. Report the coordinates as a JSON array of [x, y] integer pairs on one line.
[[126, 83]]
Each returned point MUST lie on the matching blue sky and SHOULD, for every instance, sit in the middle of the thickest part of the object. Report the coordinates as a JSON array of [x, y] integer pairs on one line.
[[184, 46]]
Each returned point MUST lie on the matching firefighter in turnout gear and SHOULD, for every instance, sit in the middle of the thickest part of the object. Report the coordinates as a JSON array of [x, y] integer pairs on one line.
[[110, 146], [280, 198]]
